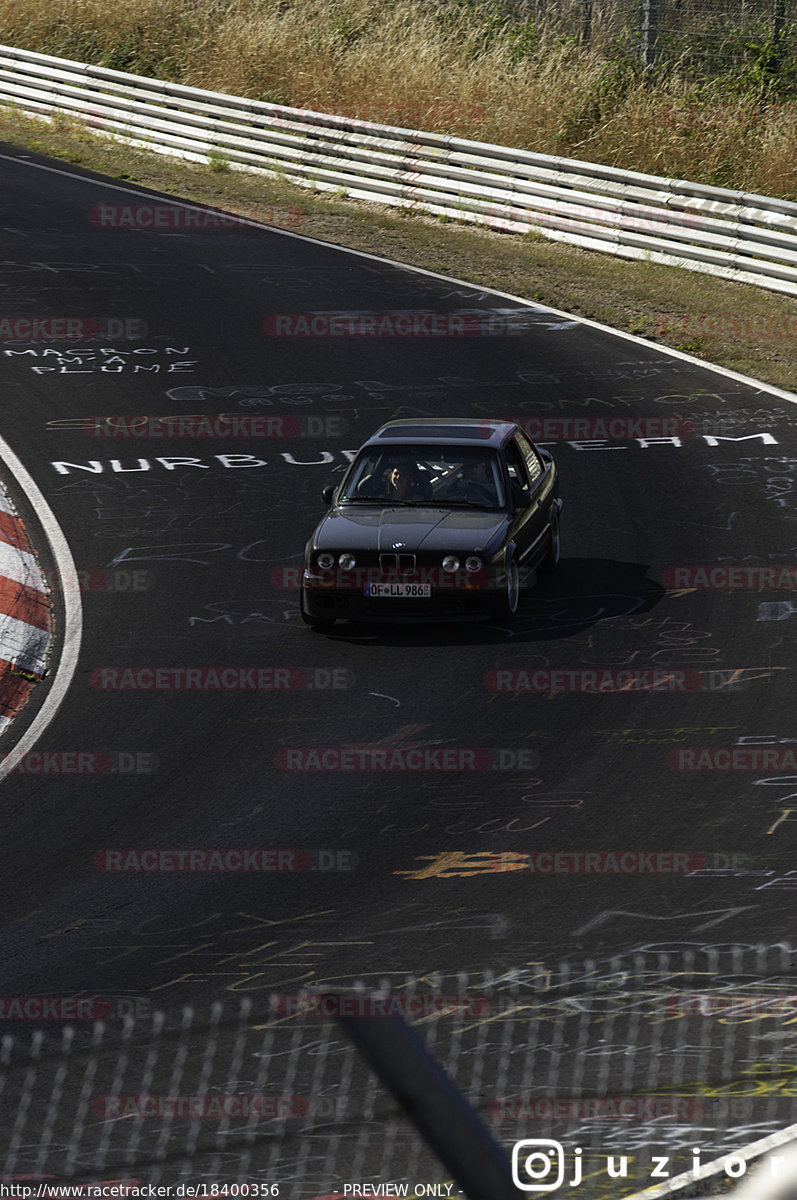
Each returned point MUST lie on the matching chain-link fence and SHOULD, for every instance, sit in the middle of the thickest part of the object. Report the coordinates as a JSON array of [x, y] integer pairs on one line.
[[676, 1054], [704, 35]]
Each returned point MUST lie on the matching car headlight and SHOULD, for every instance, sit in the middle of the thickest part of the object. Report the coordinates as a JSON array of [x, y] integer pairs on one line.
[[325, 560], [450, 563], [346, 562], [473, 563]]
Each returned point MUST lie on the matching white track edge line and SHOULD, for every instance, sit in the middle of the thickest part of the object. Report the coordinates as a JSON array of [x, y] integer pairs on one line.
[[73, 611], [391, 262]]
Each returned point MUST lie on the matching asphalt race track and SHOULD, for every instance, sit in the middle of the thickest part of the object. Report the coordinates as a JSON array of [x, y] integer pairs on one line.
[[421, 872]]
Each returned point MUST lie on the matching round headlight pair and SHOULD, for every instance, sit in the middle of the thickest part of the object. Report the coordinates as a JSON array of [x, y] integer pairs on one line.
[[472, 563], [326, 561]]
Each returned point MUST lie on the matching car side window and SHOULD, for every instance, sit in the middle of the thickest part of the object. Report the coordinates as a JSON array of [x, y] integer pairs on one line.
[[516, 465], [532, 459]]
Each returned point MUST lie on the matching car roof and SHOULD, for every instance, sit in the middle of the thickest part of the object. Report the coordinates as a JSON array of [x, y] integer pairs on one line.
[[451, 430]]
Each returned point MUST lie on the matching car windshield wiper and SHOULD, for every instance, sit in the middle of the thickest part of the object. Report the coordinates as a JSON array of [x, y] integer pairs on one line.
[[411, 503], [471, 504], [379, 500]]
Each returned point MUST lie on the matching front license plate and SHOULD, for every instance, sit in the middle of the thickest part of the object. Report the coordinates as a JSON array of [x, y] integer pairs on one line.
[[407, 591]]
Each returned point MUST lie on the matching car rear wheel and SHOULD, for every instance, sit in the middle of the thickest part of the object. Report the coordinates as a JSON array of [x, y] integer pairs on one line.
[[319, 624], [510, 595]]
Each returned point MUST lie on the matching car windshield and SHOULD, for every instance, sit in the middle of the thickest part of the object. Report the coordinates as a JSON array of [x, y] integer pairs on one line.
[[448, 476]]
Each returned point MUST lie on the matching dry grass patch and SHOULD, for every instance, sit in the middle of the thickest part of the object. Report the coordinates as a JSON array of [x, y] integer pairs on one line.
[[463, 66]]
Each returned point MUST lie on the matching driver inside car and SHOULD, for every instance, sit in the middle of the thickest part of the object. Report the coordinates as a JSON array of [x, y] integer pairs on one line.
[[475, 485], [400, 481]]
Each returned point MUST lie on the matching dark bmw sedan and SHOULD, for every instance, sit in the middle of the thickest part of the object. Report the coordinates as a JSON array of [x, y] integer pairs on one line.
[[435, 520]]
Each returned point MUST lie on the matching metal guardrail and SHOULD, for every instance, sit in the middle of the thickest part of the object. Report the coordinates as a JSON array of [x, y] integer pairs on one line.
[[735, 235]]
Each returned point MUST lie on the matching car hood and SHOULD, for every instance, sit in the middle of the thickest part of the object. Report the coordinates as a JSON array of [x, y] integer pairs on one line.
[[378, 529]]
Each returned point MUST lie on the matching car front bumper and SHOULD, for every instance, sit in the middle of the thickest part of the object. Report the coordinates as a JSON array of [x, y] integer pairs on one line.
[[462, 603]]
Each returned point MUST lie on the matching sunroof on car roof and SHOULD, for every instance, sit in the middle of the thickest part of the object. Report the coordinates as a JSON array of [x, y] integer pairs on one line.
[[476, 432]]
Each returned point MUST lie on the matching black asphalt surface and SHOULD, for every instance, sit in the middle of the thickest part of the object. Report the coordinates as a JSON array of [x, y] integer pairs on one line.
[[199, 564]]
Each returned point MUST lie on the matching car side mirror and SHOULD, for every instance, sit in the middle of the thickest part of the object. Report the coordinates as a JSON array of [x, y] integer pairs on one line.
[[521, 497], [327, 493]]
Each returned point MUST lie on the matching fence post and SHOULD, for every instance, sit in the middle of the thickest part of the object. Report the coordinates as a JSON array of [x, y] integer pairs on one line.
[[650, 29], [586, 23]]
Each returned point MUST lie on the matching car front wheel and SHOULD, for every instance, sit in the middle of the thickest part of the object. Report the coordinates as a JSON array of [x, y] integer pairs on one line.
[[510, 594]]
